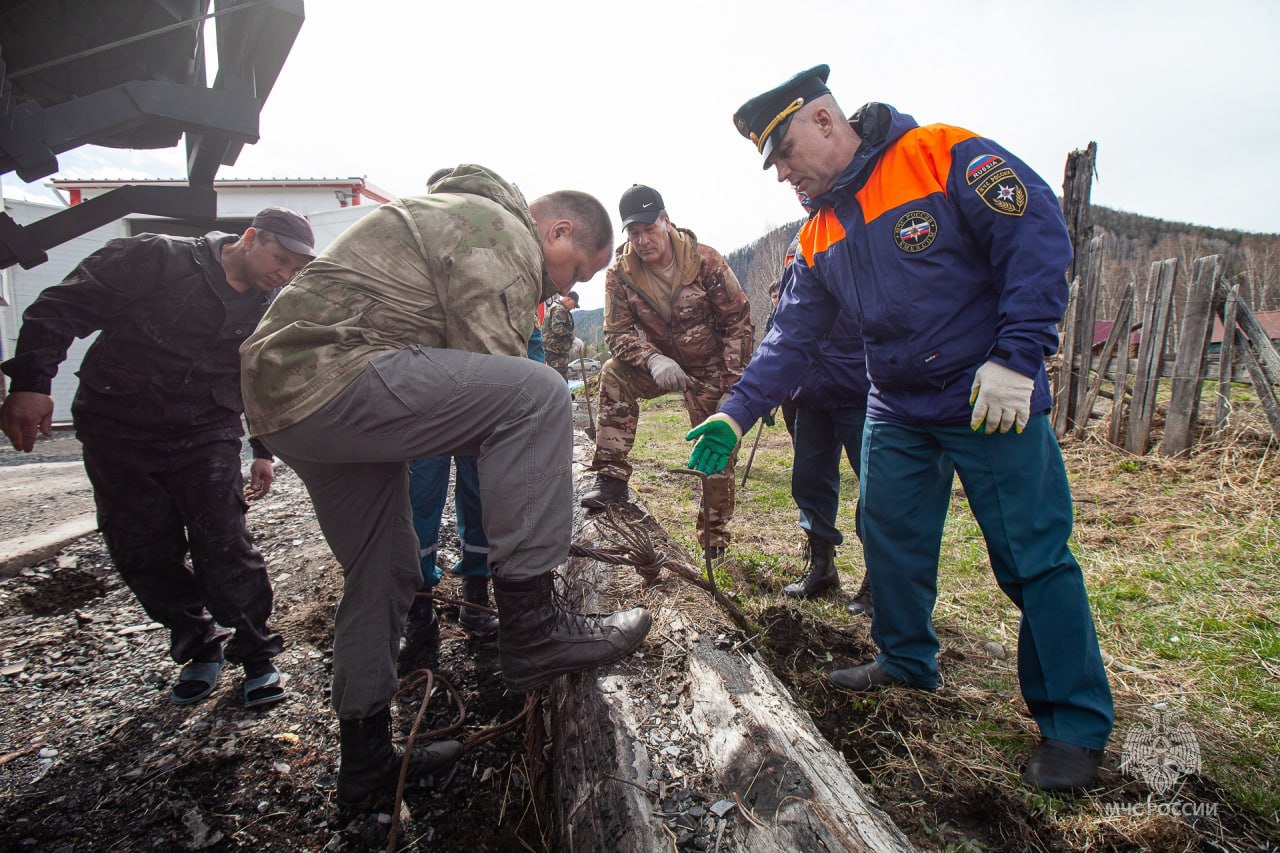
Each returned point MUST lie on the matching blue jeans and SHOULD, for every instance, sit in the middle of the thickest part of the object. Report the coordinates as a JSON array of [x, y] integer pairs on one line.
[[815, 476], [428, 490], [1016, 485]]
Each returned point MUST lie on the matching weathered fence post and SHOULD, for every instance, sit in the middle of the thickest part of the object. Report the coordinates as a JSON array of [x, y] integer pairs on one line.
[[1077, 184], [1262, 361], [1086, 314], [1124, 317], [1076, 334], [1119, 331], [1062, 396], [1146, 375], [1222, 412], [1189, 362]]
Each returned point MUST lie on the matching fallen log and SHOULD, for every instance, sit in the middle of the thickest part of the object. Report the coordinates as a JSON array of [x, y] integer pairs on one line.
[[694, 735]]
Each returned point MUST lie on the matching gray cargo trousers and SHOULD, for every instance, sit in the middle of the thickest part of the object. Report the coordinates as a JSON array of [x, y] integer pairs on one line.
[[513, 414]]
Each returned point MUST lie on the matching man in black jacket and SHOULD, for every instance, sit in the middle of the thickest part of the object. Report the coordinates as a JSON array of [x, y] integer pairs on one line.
[[158, 412]]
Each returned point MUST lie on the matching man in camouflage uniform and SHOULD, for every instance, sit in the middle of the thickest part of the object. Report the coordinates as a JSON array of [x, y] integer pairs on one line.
[[158, 412], [557, 331], [407, 338], [676, 320]]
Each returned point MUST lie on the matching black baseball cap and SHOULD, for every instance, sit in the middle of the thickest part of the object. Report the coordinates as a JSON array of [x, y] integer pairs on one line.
[[640, 204], [764, 119], [290, 228]]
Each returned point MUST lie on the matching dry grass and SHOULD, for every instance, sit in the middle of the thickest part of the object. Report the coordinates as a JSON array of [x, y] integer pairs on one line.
[[1182, 560]]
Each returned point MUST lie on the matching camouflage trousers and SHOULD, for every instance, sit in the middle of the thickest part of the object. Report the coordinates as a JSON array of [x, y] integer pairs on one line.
[[622, 387], [559, 362]]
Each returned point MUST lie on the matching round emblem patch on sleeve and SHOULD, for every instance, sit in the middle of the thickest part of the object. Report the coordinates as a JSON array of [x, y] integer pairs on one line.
[[1003, 192], [915, 231]]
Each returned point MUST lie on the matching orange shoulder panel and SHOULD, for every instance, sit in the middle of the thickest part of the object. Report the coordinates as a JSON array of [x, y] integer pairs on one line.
[[915, 166], [819, 233]]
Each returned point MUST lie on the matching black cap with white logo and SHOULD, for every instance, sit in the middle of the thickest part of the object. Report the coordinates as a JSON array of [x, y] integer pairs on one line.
[[640, 204]]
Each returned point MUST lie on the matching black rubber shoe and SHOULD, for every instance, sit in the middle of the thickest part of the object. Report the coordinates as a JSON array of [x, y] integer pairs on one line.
[[1060, 766]]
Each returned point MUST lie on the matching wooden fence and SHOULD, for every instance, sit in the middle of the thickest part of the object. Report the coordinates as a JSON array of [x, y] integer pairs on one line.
[[1134, 383], [1184, 358]]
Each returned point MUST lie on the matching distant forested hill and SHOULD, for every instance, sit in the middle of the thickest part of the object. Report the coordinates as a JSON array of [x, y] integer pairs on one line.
[[1131, 243], [589, 325]]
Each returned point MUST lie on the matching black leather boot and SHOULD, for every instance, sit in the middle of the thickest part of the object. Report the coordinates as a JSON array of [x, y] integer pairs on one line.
[[421, 635], [864, 677], [607, 490], [370, 766], [821, 576], [862, 604], [1059, 766], [539, 639], [478, 623]]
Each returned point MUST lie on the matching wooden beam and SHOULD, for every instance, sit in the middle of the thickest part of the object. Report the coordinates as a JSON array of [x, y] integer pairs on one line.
[[1090, 288], [1146, 378], [1189, 362], [1261, 382], [1265, 351], [1222, 411], [1120, 329], [1115, 430], [1063, 395]]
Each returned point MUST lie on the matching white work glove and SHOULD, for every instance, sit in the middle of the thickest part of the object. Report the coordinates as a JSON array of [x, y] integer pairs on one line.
[[1002, 397], [575, 351], [668, 374]]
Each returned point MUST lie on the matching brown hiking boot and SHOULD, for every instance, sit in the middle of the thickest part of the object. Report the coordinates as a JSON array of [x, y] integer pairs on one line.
[[539, 639], [607, 490], [821, 576]]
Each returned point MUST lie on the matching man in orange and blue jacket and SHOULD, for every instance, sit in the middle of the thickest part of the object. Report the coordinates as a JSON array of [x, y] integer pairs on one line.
[[952, 253]]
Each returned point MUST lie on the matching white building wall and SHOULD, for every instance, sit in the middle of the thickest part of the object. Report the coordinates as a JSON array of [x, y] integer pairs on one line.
[[26, 285], [326, 226]]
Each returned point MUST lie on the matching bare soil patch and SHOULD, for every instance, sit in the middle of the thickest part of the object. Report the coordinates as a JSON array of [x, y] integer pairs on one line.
[[93, 756]]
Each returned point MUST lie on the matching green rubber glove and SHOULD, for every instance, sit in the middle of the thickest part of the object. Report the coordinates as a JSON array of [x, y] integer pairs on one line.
[[717, 439]]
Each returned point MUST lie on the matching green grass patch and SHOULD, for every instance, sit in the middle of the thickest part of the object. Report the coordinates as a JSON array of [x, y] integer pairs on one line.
[[1182, 563]]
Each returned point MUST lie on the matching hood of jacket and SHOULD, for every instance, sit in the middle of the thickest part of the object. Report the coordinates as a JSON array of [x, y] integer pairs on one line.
[[470, 179], [688, 263], [879, 126]]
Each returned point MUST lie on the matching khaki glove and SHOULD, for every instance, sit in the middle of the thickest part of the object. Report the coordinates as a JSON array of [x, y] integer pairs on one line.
[[669, 375], [1002, 397], [718, 437]]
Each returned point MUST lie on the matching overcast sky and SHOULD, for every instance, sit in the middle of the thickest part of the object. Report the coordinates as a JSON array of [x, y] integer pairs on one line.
[[1182, 97]]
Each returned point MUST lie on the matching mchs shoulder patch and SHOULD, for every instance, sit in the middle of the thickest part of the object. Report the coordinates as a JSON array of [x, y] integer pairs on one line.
[[997, 184]]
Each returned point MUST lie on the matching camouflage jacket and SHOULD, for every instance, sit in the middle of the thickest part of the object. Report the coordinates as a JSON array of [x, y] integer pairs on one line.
[[709, 331], [557, 331], [459, 268]]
